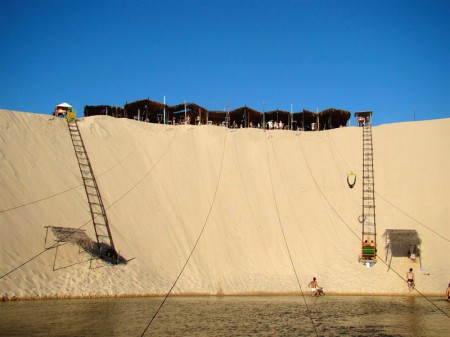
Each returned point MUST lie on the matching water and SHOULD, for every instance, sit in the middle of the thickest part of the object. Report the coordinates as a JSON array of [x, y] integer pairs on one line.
[[228, 316]]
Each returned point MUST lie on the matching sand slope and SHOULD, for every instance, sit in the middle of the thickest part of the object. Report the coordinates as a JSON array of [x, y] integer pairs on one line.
[[262, 201]]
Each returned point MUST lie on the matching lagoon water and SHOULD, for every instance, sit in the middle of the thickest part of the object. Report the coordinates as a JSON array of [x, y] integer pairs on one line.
[[228, 316]]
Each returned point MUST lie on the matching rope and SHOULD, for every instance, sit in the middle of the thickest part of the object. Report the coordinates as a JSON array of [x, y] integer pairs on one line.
[[291, 205], [74, 187], [379, 258], [248, 199], [389, 202], [331, 142], [106, 208], [193, 248], [321, 192], [409, 216], [39, 200], [45, 250], [286, 243]]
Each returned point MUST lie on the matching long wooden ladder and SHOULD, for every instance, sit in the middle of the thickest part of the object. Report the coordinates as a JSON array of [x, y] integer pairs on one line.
[[369, 229], [105, 244]]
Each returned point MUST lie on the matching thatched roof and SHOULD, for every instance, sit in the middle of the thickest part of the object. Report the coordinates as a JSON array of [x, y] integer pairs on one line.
[[152, 111], [146, 109], [195, 108], [94, 110], [333, 118], [304, 119], [217, 116], [245, 116], [402, 236]]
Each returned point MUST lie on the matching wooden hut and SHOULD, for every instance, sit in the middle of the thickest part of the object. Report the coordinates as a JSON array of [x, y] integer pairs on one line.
[[146, 110], [363, 117], [95, 110], [333, 118], [245, 117], [278, 116], [305, 120], [189, 113], [217, 117]]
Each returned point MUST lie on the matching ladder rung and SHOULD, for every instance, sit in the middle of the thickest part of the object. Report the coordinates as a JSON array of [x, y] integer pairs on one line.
[[98, 213]]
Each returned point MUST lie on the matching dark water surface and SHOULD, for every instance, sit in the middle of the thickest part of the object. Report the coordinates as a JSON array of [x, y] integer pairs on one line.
[[228, 316]]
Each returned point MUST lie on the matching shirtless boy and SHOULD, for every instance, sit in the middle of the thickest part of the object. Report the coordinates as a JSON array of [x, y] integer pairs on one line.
[[314, 287], [410, 279]]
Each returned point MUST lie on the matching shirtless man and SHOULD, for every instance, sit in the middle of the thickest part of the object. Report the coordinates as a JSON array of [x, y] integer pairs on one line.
[[410, 279], [314, 285]]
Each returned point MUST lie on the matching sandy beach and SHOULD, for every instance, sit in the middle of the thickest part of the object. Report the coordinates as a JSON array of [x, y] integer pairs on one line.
[[265, 211]]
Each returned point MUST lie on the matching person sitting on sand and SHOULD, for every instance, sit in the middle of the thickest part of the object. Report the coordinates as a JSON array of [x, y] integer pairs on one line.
[[410, 279], [447, 293], [314, 287]]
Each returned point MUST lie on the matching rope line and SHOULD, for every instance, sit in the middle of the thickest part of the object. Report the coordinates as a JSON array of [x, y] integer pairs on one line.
[[106, 208], [320, 190], [409, 216], [291, 205], [385, 262], [39, 200], [45, 250], [389, 202], [286, 243], [195, 245], [145, 175], [74, 187], [248, 199]]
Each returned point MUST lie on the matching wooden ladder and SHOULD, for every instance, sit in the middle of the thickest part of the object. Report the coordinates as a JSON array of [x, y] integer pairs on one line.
[[105, 244], [369, 232]]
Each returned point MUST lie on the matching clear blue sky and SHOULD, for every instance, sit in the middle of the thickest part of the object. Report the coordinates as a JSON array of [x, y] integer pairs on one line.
[[392, 57]]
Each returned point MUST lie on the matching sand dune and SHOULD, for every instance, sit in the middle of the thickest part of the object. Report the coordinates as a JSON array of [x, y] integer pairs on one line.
[[266, 211]]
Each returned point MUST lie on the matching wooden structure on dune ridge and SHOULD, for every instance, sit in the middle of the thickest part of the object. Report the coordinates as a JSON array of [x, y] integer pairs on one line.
[[333, 118], [150, 111], [189, 113], [278, 116], [245, 117], [108, 110]]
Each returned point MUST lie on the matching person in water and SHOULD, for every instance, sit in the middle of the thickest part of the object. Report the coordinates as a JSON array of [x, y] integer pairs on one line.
[[410, 279]]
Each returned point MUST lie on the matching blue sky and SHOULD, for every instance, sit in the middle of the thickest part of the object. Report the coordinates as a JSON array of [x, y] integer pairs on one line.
[[392, 57]]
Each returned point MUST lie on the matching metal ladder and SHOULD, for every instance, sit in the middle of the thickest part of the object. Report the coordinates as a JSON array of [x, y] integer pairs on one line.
[[369, 232], [105, 244]]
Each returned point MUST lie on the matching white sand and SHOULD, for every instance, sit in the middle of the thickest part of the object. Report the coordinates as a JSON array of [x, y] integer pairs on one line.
[[249, 189]]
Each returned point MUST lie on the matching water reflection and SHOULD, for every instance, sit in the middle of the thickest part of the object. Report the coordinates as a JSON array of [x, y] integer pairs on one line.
[[227, 316]]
